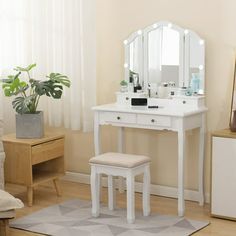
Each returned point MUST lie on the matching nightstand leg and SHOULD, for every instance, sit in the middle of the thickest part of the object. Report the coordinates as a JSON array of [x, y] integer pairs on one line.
[[4, 227], [30, 196], [56, 184]]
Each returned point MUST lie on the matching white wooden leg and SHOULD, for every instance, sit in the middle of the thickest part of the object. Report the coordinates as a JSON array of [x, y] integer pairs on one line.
[[146, 191], [97, 144], [201, 161], [111, 193], [181, 157], [130, 198], [121, 181], [95, 191]]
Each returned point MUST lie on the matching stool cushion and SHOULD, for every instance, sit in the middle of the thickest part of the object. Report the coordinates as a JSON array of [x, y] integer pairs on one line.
[[119, 160]]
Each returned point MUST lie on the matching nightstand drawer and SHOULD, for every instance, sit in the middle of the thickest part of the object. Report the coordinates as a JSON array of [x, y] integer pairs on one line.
[[118, 117], [154, 120], [47, 151]]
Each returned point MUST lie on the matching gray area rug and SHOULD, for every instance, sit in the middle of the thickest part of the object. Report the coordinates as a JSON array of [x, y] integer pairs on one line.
[[73, 218]]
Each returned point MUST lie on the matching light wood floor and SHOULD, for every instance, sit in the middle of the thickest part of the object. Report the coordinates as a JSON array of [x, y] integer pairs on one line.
[[45, 196]]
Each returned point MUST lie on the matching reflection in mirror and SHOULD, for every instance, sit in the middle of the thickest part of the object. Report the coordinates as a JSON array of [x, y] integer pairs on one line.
[[134, 58], [232, 122], [163, 55], [195, 51]]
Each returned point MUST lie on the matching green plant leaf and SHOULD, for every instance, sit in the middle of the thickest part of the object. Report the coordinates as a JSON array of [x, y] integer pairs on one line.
[[59, 78], [20, 104], [49, 88], [13, 85], [25, 69]]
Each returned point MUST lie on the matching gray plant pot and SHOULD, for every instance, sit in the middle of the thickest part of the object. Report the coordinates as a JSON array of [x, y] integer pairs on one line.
[[29, 125]]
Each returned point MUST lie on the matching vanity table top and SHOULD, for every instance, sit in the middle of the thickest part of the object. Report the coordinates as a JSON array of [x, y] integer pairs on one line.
[[165, 111]]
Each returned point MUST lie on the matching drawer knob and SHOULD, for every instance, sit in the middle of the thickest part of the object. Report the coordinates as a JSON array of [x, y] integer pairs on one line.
[[184, 102], [127, 98], [118, 117], [152, 120]]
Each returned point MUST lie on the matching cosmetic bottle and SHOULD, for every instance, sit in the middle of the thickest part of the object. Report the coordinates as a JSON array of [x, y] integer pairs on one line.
[[130, 85], [136, 82], [195, 82], [163, 90]]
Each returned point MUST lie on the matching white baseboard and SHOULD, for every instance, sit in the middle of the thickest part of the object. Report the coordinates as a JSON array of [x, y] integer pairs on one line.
[[159, 190]]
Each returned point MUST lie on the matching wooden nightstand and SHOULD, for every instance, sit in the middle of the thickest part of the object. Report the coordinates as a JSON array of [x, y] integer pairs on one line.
[[31, 162]]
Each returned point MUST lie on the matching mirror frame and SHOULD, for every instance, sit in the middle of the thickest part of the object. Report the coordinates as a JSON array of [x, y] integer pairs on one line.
[[184, 76], [231, 125], [127, 42]]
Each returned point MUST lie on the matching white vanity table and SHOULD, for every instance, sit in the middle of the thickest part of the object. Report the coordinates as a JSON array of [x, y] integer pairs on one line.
[[176, 113]]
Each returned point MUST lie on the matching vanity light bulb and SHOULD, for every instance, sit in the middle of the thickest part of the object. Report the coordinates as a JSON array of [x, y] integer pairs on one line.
[[125, 42], [170, 25], [139, 32], [201, 42], [126, 65], [200, 67], [186, 31], [154, 26]]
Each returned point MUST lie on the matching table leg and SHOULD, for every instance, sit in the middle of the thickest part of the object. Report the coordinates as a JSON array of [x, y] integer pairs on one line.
[[121, 181], [181, 159], [97, 141], [97, 144], [4, 227], [56, 185], [201, 161], [30, 195]]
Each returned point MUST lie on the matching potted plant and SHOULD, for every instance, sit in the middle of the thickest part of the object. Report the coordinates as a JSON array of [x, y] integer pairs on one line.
[[29, 121], [123, 86]]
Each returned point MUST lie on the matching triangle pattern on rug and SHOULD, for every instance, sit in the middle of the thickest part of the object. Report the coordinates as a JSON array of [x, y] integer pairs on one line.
[[154, 230], [85, 223], [104, 216], [117, 230], [184, 224], [64, 210]]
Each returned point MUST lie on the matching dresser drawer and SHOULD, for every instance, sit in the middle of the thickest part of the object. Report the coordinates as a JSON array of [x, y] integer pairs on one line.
[[47, 151], [154, 120], [117, 117]]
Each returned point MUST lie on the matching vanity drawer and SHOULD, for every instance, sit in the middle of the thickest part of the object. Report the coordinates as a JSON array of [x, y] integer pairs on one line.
[[118, 117], [154, 120]]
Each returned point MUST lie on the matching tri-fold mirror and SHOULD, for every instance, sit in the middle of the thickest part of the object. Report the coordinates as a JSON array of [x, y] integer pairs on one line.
[[165, 53]]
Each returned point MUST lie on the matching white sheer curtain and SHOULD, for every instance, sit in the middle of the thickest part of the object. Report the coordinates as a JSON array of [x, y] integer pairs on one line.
[[58, 35]]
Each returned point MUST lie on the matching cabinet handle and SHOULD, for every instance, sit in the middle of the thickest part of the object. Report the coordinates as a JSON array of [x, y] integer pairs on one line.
[[118, 118], [152, 120], [127, 98], [184, 102]]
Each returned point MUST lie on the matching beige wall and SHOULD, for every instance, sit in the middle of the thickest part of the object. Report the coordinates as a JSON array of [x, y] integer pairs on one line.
[[213, 20]]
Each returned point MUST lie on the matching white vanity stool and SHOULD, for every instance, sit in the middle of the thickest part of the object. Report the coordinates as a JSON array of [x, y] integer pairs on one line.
[[125, 165]]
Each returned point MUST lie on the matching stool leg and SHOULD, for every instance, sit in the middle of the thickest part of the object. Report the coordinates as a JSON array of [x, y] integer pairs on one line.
[[95, 191], [146, 191], [111, 193], [130, 197]]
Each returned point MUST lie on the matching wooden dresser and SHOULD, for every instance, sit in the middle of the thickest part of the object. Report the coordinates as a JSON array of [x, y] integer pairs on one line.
[[31, 162]]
